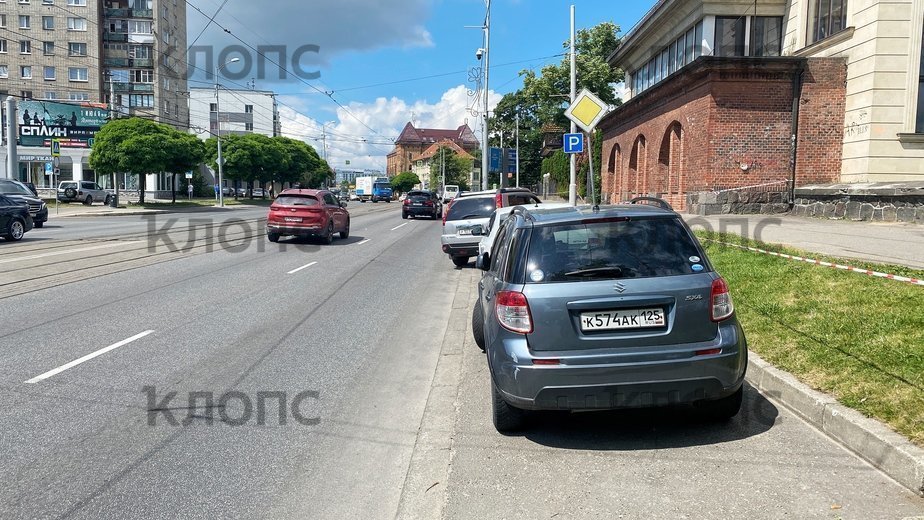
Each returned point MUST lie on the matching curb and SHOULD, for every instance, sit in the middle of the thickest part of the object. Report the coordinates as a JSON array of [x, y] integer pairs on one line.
[[871, 440]]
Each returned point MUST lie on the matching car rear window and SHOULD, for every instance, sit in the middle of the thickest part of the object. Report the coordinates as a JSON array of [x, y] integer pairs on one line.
[[474, 207], [66, 185], [637, 248], [296, 200]]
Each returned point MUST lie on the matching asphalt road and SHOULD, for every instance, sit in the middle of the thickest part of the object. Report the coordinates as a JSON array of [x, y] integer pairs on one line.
[[372, 335]]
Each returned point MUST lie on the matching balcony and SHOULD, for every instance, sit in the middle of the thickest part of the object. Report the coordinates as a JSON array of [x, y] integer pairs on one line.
[[117, 13], [115, 37], [143, 62], [133, 87], [116, 62], [142, 13]]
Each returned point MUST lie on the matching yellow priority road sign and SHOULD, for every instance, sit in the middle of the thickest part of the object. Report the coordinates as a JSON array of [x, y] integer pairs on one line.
[[587, 110]]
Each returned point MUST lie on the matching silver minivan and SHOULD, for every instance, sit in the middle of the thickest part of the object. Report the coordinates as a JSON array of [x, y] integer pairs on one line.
[[600, 308]]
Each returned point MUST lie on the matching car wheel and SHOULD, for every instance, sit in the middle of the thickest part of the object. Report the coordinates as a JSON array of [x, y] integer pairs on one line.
[[404, 215], [329, 235], [478, 325], [460, 261], [108, 200], [15, 230], [70, 193], [345, 234], [722, 409], [506, 418], [38, 224], [272, 237], [89, 200]]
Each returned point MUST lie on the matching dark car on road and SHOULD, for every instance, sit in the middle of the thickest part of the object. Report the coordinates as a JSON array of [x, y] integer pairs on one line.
[[307, 213], [601, 308], [422, 203], [15, 220], [19, 192]]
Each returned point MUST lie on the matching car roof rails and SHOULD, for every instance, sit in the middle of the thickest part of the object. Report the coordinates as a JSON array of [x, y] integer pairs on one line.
[[658, 201]]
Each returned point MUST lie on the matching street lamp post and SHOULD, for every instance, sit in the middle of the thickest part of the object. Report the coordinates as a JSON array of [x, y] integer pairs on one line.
[[221, 188]]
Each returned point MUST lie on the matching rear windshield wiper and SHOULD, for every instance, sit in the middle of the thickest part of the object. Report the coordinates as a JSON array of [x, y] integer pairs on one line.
[[470, 216], [613, 270]]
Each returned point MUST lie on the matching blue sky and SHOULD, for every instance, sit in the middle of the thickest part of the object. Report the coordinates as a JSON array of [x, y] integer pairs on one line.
[[368, 42]]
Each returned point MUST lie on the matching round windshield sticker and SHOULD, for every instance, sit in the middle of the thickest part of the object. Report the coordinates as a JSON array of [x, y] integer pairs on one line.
[[537, 275], [697, 268], [694, 259]]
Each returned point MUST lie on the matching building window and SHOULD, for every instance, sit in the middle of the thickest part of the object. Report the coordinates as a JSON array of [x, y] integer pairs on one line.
[[24, 22], [141, 100], [919, 125], [25, 72], [766, 35], [140, 27], [829, 17], [79, 96], [213, 107], [25, 94], [248, 127], [2, 20], [76, 49], [48, 48], [142, 76], [51, 95], [3, 46], [48, 23], [76, 24], [248, 109], [50, 74], [4, 71], [729, 36], [78, 74], [25, 47], [77, 3]]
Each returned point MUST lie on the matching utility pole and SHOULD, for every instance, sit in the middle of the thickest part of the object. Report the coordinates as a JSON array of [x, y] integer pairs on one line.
[[12, 158], [221, 166], [502, 176], [442, 171], [572, 187], [112, 117], [485, 150], [518, 148]]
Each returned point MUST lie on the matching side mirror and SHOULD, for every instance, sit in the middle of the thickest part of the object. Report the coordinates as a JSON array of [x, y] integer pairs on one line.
[[483, 261], [343, 204]]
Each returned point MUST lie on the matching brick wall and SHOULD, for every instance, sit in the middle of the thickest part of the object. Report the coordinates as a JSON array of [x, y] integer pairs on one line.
[[724, 123]]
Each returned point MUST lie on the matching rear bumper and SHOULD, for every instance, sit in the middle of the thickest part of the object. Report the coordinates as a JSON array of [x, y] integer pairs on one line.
[[595, 380], [302, 231], [461, 249], [419, 210]]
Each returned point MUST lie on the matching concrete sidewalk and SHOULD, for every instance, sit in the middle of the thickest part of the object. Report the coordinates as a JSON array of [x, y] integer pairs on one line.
[[901, 244], [74, 210]]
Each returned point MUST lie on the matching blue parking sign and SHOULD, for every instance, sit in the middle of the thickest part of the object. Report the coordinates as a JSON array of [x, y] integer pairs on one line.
[[574, 143]]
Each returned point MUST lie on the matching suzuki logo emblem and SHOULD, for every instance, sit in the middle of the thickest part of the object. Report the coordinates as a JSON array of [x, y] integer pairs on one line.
[[619, 287]]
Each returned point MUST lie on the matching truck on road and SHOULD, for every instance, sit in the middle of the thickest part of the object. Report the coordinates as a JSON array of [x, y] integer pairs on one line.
[[373, 189]]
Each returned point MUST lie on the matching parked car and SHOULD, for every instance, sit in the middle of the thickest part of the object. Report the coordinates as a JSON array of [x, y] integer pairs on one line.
[[449, 192], [353, 196], [500, 215], [228, 191], [307, 213], [469, 213], [422, 203], [258, 192], [19, 192], [600, 308], [15, 220], [86, 192]]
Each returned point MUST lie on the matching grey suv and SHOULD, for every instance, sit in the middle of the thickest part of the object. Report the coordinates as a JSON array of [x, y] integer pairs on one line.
[[86, 192], [600, 308]]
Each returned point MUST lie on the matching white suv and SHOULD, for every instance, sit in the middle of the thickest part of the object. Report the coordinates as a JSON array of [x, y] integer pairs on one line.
[[86, 192]]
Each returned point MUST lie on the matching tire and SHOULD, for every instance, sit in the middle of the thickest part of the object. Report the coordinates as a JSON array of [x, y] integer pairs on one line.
[[345, 234], [15, 230], [722, 409], [460, 261], [272, 237], [108, 200], [37, 224], [70, 193], [88, 201], [389, 201], [478, 325], [506, 418], [328, 237], [404, 215]]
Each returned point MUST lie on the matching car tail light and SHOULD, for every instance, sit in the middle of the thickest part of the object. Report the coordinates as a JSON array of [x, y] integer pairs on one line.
[[722, 306], [428, 203], [407, 202], [499, 200], [513, 312], [446, 210]]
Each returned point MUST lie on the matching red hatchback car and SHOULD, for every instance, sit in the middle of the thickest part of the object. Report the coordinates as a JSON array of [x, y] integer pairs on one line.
[[307, 213]]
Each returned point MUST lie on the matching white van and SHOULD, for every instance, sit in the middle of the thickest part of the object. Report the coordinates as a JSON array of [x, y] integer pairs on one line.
[[449, 192]]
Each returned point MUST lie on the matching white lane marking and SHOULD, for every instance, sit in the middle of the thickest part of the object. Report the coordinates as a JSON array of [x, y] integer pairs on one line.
[[293, 271], [401, 226], [363, 242], [88, 357], [68, 251]]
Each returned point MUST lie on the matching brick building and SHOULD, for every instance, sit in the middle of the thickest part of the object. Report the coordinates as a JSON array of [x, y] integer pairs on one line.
[[723, 97], [414, 142]]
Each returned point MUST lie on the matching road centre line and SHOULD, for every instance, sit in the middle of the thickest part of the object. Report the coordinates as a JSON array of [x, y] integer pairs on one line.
[[68, 251], [363, 242], [293, 271], [401, 226], [88, 357]]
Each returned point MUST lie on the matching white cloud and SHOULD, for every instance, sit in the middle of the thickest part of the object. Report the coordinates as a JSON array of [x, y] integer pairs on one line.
[[387, 116]]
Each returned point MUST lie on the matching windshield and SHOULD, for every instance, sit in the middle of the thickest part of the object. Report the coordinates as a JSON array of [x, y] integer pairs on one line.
[[610, 250], [474, 207], [14, 188]]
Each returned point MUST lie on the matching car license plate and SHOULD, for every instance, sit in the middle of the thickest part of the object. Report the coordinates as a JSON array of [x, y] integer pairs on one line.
[[465, 231], [622, 319], [293, 219], [417, 204]]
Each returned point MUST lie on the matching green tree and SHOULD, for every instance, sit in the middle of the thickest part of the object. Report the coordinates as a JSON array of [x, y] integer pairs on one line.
[[457, 169], [141, 146], [404, 182]]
